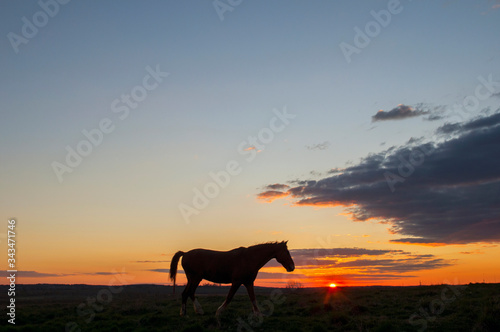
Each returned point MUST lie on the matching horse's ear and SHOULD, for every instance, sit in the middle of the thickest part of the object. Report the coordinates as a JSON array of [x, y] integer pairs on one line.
[[286, 242]]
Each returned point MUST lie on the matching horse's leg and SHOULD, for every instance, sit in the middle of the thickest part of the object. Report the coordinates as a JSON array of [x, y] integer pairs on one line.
[[251, 294], [185, 294], [197, 306], [232, 291]]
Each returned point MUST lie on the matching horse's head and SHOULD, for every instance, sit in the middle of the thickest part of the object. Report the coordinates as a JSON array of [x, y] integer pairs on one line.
[[283, 257]]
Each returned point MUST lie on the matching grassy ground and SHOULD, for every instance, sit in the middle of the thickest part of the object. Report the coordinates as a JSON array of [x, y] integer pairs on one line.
[[475, 307]]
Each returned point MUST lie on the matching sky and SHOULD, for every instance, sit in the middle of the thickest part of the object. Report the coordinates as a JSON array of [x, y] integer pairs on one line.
[[364, 133]]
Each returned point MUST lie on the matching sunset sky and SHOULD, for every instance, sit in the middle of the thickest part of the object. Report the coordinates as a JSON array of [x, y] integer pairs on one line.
[[366, 133]]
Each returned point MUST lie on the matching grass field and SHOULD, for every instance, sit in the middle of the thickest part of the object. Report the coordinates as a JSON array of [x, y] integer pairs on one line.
[[473, 307]]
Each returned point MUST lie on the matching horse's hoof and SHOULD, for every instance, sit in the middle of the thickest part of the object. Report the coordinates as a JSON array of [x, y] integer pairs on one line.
[[197, 307]]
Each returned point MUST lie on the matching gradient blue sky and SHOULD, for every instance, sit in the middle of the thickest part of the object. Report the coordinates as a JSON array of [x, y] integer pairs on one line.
[[225, 78]]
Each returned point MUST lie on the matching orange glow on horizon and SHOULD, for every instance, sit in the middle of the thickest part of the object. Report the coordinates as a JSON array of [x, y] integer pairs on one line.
[[349, 270]]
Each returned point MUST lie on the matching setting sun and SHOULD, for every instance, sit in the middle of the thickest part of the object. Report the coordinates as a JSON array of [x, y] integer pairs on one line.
[[332, 285]]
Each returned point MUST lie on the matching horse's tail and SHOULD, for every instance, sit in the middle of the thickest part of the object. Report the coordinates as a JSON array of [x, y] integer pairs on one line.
[[173, 266]]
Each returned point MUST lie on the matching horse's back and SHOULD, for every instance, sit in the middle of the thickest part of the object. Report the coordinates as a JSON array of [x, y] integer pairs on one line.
[[208, 252], [212, 265], [198, 255]]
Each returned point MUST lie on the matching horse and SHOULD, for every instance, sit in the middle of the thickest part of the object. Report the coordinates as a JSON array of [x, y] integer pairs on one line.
[[237, 266]]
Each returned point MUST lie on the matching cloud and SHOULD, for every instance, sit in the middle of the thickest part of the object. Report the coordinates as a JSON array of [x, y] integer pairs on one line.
[[322, 256], [367, 277], [359, 261], [440, 193], [475, 252], [151, 261], [279, 275], [35, 274], [339, 252], [165, 270], [411, 264], [434, 117], [271, 195], [277, 186], [398, 113], [100, 273], [320, 146], [252, 148], [475, 124]]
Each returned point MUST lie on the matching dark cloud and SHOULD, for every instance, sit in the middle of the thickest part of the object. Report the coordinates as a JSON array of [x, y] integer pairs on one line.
[[339, 252], [366, 277], [279, 275], [336, 170], [322, 256], [35, 274], [151, 261], [398, 113], [326, 256], [101, 273], [361, 261], [163, 270], [320, 146], [277, 186], [429, 193], [475, 124], [395, 265], [434, 117]]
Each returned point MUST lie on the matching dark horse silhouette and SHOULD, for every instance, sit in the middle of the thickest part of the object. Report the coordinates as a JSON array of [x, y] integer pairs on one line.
[[238, 266]]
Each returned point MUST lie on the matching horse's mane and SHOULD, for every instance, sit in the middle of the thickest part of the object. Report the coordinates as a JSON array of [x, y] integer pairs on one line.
[[268, 244]]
